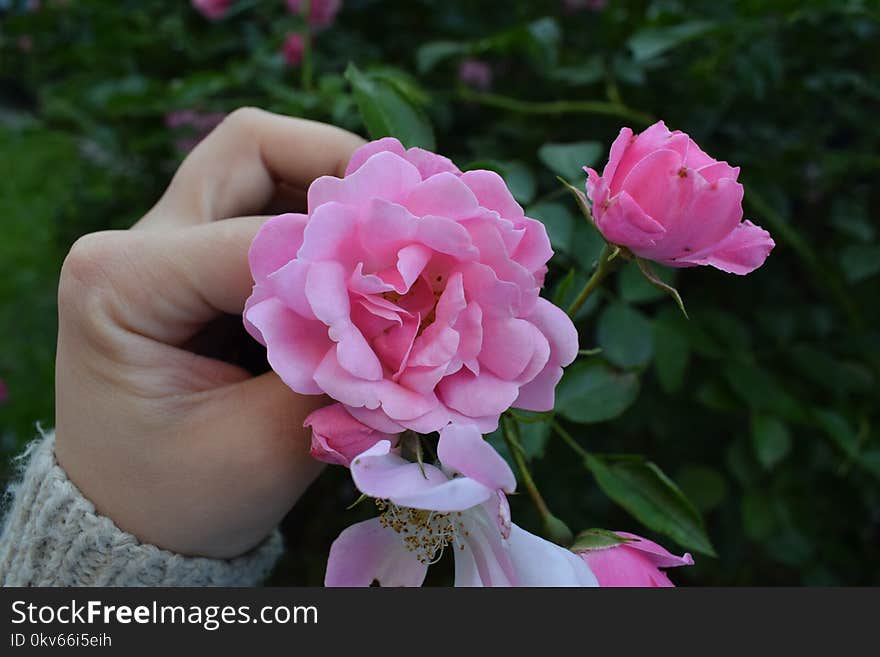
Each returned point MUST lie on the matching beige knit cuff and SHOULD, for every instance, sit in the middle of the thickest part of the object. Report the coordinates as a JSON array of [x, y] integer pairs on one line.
[[52, 536]]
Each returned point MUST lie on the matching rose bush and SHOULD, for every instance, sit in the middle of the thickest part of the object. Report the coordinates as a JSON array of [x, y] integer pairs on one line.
[[409, 293]]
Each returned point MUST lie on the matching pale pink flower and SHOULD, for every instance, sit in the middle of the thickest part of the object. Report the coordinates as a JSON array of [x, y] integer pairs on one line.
[[293, 48], [664, 199], [475, 73], [409, 293], [213, 10], [634, 563], [321, 12], [337, 437], [460, 505]]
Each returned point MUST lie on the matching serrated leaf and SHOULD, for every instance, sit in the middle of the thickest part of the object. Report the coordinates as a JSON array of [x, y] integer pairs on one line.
[[652, 498], [387, 113], [625, 336], [569, 160], [592, 391]]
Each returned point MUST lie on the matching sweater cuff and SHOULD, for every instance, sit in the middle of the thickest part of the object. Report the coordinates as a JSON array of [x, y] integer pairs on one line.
[[53, 536]]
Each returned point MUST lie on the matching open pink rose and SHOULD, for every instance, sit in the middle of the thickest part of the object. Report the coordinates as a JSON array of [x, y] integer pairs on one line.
[[409, 293], [633, 564], [666, 200], [337, 437], [213, 10]]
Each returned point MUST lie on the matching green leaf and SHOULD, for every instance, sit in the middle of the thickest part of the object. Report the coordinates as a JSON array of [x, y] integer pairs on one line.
[[758, 518], [672, 351], [520, 180], [860, 261], [387, 113], [597, 539], [558, 221], [569, 160], [762, 391], [771, 440], [703, 485], [650, 42], [431, 54], [592, 391], [652, 498], [625, 336], [838, 430]]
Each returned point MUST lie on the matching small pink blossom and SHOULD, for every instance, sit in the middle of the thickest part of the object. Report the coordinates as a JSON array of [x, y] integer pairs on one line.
[[460, 505], [664, 199], [293, 48], [213, 10], [4, 392], [194, 124], [321, 12], [475, 73], [410, 294], [635, 563], [572, 6], [337, 437]]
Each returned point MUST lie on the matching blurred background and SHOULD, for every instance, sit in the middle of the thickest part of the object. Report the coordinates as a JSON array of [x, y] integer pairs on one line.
[[762, 410]]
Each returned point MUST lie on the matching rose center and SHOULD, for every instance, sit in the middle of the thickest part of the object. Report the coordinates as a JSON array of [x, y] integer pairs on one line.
[[424, 533]]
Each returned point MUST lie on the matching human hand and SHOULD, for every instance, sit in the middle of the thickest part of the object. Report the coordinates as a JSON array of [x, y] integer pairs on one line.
[[187, 452]]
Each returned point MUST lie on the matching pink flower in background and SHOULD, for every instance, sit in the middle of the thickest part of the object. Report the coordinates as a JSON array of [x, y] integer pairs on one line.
[[197, 125], [461, 505], [4, 392], [337, 437], [635, 563], [664, 199], [321, 12], [213, 10], [25, 43], [475, 73], [293, 48], [409, 293]]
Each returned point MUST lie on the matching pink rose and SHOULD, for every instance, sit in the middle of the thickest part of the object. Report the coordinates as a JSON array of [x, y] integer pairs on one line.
[[475, 73], [293, 48], [409, 293], [337, 437], [635, 563], [213, 10], [321, 12], [664, 199]]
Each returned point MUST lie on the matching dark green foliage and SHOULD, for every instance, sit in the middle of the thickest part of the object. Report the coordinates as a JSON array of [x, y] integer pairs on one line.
[[762, 408]]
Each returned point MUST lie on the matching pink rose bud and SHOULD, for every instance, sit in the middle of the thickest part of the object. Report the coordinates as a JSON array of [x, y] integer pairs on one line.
[[410, 294], [475, 73], [665, 200], [213, 10], [635, 563], [293, 48], [337, 437], [321, 12]]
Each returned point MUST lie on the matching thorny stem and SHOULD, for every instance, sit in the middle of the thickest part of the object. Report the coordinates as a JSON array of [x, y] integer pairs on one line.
[[508, 425], [603, 268], [556, 106], [569, 439]]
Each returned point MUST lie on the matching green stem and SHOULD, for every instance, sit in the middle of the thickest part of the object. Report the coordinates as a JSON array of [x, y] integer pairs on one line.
[[555, 107], [509, 430], [569, 439], [306, 67], [603, 268]]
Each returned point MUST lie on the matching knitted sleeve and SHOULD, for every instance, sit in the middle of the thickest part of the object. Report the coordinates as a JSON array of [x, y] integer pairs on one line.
[[52, 536]]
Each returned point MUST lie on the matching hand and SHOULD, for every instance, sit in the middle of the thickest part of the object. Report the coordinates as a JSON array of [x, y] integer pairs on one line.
[[185, 451]]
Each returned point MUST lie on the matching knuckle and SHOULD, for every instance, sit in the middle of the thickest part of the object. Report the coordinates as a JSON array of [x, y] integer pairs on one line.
[[242, 120]]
